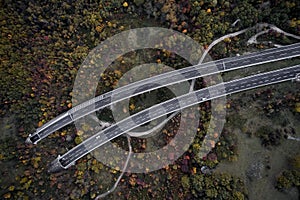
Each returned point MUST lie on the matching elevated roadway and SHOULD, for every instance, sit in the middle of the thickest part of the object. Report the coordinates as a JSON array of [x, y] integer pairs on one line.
[[162, 80], [170, 106]]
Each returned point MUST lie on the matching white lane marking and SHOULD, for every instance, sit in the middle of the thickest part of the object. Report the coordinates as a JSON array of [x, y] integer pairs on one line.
[[224, 66]]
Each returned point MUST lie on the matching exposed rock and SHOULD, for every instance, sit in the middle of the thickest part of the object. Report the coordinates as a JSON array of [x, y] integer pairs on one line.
[[205, 170], [69, 138], [254, 172]]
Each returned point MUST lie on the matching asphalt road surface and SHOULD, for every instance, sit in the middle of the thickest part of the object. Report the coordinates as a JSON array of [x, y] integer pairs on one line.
[[170, 106], [162, 80]]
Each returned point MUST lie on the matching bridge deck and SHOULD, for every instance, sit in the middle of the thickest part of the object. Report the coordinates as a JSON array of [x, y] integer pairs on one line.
[[162, 80], [172, 105]]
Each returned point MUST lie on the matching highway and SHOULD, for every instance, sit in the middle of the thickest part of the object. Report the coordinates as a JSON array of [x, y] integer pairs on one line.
[[170, 106], [162, 80]]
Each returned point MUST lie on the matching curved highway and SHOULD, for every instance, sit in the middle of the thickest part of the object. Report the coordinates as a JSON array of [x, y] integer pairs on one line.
[[163, 80], [172, 105]]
